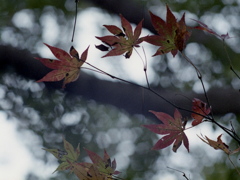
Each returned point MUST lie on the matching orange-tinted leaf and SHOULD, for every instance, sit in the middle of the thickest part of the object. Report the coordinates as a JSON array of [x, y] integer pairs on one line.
[[91, 173], [122, 41], [219, 144], [66, 67], [104, 165], [97, 175], [172, 36], [81, 170], [201, 110], [172, 128]]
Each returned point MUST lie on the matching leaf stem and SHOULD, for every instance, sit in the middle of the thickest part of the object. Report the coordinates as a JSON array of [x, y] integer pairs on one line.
[[144, 65]]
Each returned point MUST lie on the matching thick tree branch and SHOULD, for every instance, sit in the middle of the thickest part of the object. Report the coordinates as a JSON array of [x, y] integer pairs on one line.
[[132, 99]]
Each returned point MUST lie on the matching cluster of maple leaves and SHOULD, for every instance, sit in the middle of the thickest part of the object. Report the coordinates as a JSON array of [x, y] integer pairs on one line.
[[99, 169], [172, 37]]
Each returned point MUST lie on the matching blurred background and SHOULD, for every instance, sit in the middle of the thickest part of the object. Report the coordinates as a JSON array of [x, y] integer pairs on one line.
[[102, 113]]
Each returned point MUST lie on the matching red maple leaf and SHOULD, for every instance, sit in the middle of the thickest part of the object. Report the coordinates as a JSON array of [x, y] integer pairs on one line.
[[172, 34], [122, 41], [102, 168], [67, 66], [104, 165], [200, 108], [204, 27], [173, 128]]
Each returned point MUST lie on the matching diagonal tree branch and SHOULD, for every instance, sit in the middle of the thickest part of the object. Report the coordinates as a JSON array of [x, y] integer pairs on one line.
[[132, 99]]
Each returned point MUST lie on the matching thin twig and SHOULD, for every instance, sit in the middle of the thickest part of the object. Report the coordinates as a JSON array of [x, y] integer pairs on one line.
[[144, 65], [233, 131], [115, 77], [211, 119], [74, 26], [230, 62], [145, 69], [199, 77], [184, 175], [144, 87], [234, 165]]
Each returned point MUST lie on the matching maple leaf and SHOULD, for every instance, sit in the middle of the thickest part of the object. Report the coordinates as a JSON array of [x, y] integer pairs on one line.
[[200, 108], [67, 157], [204, 27], [100, 169], [173, 128], [122, 41], [67, 66], [91, 172], [104, 165], [219, 144], [172, 36]]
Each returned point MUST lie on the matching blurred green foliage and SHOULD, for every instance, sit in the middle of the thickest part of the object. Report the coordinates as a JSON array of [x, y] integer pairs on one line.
[[51, 114]]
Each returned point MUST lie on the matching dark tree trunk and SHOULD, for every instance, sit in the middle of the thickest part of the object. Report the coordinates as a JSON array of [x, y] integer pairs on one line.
[[130, 98]]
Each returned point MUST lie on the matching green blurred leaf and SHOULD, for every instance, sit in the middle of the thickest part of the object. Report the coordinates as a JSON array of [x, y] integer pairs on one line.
[[72, 155], [67, 157]]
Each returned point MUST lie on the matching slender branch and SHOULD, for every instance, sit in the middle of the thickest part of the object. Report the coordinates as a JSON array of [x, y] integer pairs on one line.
[[230, 62], [234, 72], [144, 87], [184, 175], [207, 117], [211, 118], [115, 77], [199, 77], [144, 65], [138, 85], [228, 131], [233, 131], [234, 165], [92, 70], [145, 69], [74, 26]]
